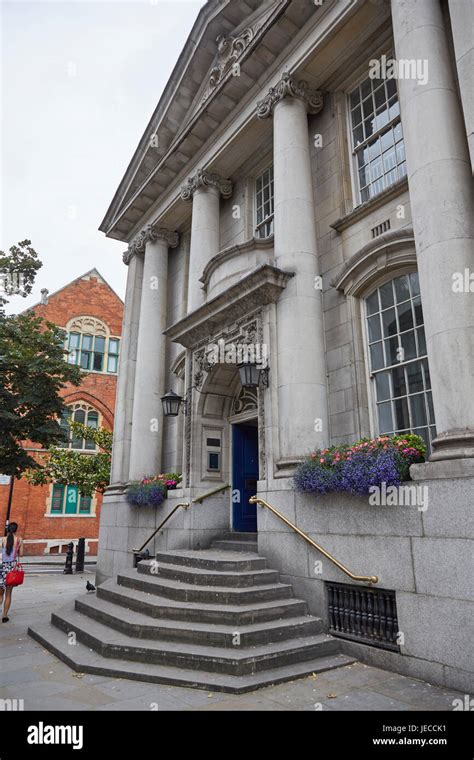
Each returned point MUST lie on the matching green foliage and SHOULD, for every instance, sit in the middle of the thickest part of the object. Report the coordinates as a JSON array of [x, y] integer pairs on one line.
[[32, 372], [90, 472], [18, 270]]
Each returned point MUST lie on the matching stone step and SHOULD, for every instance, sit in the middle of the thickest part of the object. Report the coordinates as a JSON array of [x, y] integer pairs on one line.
[[213, 559], [83, 660], [140, 625], [204, 577], [236, 661], [235, 546], [188, 592], [236, 615], [231, 535]]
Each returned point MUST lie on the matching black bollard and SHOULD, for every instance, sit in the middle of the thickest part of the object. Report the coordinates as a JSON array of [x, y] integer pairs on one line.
[[81, 551], [69, 555]]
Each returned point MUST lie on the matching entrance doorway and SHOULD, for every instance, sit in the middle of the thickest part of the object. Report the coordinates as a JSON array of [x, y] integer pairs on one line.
[[244, 475]]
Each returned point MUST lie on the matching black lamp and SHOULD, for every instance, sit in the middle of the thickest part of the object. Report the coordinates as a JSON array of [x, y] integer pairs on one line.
[[171, 404], [250, 374]]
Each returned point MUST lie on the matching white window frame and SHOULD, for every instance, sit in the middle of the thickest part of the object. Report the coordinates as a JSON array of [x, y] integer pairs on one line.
[[354, 170], [271, 218]]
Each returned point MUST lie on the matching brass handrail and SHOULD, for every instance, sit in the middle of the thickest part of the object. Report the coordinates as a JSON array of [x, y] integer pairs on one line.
[[362, 578], [200, 499], [184, 504]]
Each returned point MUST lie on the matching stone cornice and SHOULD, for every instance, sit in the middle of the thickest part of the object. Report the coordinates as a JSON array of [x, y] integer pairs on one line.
[[151, 234], [393, 251], [260, 287], [288, 86], [203, 178], [231, 252]]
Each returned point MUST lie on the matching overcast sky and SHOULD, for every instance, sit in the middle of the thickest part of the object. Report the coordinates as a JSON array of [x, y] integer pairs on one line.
[[80, 80]]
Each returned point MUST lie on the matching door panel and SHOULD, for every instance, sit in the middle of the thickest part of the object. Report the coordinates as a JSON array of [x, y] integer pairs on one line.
[[244, 476]]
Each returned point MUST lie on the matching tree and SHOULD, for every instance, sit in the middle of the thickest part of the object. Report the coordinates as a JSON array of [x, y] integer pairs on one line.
[[18, 270], [89, 472], [33, 369]]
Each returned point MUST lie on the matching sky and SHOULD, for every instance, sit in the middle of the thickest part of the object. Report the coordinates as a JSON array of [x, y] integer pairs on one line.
[[79, 82]]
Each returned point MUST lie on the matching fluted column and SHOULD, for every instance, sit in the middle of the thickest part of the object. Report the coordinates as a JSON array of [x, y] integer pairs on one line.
[[441, 198], [126, 372], [302, 394], [147, 422], [204, 190]]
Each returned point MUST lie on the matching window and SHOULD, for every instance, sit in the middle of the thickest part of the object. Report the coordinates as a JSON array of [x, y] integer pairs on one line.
[[264, 204], [89, 346], [397, 359], [66, 500], [112, 361], [377, 136], [79, 413]]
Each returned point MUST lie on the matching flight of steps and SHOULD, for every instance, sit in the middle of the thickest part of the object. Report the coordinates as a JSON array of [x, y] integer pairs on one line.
[[215, 619]]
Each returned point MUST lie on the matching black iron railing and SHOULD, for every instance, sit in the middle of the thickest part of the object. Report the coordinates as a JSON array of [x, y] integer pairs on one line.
[[366, 615]]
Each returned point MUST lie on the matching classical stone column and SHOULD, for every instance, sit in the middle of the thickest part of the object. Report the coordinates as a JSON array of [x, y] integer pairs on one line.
[[461, 13], [204, 190], [128, 355], [302, 393], [147, 422], [441, 198]]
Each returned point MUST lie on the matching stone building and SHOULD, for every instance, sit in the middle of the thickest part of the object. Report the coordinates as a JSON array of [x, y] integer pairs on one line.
[[295, 207], [91, 314]]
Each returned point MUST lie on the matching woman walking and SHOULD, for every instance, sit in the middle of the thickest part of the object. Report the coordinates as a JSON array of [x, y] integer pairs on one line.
[[11, 549]]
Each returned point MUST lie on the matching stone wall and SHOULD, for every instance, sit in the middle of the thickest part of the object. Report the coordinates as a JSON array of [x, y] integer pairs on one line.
[[426, 557]]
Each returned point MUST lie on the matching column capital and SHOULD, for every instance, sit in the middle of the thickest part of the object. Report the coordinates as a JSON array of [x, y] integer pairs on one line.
[[288, 86], [151, 234], [203, 178]]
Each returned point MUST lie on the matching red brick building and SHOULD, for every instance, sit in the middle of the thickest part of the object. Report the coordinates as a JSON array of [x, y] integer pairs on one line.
[[91, 314]]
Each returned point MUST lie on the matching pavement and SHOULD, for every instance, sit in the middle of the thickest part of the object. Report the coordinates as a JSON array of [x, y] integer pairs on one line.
[[29, 673]]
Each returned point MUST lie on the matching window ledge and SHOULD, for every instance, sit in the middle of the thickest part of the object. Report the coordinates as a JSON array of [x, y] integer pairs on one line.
[[359, 212], [49, 514]]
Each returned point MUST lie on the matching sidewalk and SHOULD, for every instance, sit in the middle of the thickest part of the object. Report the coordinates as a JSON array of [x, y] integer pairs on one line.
[[30, 673], [53, 559]]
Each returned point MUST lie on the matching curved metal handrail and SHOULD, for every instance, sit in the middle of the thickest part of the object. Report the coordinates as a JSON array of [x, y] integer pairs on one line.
[[362, 578], [184, 504]]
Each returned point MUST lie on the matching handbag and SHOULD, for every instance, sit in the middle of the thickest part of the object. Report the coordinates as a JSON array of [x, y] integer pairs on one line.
[[16, 576]]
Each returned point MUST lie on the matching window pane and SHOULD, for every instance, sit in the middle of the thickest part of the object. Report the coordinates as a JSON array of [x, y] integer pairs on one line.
[[420, 333], [74, 340], [93, 419], [418, 411], [392, 352], [429, 399], [85, 359], [402, 290], [112, 364], [385, 417], [398, 382], [373, 303], [113, 346], [405, 316], [382, 385], [375, 332], [402, 420], [418, 310], [408, 345], [99, 344], [87, 342], [98, 362], [386, 295], [389, 322], [376, 356], [57, 498], [414, 283], [85, 504], [415, 377]]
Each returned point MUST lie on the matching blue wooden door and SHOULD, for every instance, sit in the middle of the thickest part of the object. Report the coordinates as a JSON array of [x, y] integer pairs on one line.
[[244, 477]]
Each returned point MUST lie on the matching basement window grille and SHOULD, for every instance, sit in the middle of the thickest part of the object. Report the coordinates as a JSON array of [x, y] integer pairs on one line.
[[380, 228], [363, 614]]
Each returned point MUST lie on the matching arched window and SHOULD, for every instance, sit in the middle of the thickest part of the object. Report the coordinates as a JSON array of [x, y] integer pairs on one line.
[[398, 362], [90, 345], [79, 412]]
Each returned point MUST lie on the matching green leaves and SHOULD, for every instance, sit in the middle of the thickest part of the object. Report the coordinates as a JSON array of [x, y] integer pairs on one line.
[[90, 472], [18, 270], [32, 372]]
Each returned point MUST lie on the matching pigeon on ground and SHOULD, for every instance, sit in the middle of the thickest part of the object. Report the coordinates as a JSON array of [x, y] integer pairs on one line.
[[90, 586]]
